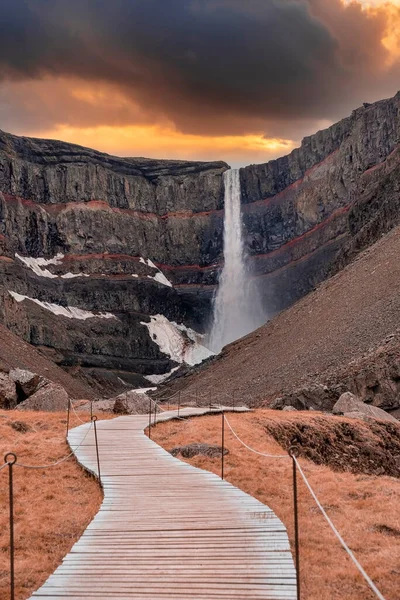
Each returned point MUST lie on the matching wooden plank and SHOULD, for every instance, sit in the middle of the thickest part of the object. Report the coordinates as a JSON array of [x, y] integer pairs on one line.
[[169, 531]]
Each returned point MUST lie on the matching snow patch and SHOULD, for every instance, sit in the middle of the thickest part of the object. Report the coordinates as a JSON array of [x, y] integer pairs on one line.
[[144, 390], [157, 379], [37, 264], [159, 276], [182, 344], [71, 312], [73, 275]]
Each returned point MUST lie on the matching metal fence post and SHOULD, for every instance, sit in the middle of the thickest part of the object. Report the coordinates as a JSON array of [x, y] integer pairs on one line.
[[150, 418], [223, 445], [91, 409], [10, 459], [68, 414], [210, 399], [155, 414], [293, 453], [94, 419], [179, 402]]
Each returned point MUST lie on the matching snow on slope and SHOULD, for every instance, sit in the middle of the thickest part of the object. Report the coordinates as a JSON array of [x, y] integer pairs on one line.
[[159, 276], [37, 264], [182, 344], [71, 312]]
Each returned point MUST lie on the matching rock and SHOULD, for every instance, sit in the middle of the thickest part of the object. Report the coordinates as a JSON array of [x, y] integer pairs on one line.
[[132, 403], [277, 404], [51, 397], [311, 397], [351, 406], [198, 449], [21, 426], [289, 408], [25, 381], [8, 392], [122, 407]]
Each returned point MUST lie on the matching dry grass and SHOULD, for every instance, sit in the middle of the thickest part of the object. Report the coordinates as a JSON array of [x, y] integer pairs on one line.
[[364, 508], [52, 506]]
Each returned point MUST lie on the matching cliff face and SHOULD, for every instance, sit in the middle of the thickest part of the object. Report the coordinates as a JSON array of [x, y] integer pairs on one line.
[[123, 240], [302, 209], [95, 224]]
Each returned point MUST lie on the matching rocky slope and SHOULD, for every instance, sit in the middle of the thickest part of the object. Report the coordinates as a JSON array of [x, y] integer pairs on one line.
[[343, 336], [17, 354], [118, 241]]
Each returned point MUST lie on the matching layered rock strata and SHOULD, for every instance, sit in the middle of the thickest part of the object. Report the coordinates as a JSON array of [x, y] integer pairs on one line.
[[137, 238]]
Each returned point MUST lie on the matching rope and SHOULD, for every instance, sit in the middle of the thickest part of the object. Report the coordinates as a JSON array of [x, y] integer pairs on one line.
[[158, 405], [3, 466], [252, 449], [58, 462], [76, 414], [341, 540]]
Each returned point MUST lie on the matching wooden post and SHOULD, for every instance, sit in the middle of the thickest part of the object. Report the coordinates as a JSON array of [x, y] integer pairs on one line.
[[223, 446]]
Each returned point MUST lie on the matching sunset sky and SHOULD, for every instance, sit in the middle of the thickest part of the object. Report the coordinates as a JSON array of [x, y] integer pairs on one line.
[[237, 80]]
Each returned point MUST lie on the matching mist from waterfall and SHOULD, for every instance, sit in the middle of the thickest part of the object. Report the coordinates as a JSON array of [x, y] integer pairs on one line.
[[237, 306]]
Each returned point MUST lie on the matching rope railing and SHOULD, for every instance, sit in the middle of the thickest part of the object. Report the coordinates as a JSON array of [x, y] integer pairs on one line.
[[58, 462], [11, 461], [297, 466], [252, 449], [76, 413], [337, 534]]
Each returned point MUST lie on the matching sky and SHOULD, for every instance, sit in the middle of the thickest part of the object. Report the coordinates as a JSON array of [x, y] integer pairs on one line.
[[236, 80]]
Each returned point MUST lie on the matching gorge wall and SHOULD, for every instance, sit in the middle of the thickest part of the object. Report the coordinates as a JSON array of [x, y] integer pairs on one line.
[[118, 241]]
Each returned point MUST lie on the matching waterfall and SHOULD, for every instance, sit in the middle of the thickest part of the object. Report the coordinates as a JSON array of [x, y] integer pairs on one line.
[[237, 306]]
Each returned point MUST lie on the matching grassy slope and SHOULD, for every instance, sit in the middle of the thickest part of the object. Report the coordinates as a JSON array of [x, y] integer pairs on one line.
[[363, 507], [52, 506], [345, 317]]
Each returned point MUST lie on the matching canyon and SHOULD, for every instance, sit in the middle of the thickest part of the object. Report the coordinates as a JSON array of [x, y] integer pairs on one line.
[[104, 258]]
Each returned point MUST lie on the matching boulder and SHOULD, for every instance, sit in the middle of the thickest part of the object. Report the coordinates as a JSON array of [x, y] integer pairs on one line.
[[132, 403], [8, 392], [351, 406], [26, 382], [289, 408], [197, 448], [50, 397]]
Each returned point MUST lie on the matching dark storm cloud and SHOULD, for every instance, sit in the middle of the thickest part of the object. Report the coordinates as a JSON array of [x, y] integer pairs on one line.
[[210, 66]]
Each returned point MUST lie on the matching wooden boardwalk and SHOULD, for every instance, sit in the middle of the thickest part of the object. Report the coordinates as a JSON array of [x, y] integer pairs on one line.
[[169, 531]]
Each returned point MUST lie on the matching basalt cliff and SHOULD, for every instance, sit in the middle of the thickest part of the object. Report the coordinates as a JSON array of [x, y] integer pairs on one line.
[[108, 265]]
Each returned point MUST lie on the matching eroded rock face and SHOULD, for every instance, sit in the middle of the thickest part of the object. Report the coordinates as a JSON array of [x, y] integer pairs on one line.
[[25, 381], [50, 397], [133, 238], [8, 392]]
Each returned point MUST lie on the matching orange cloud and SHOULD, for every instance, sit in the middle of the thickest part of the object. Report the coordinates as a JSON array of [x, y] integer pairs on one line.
[[391, 10], [166, 142]]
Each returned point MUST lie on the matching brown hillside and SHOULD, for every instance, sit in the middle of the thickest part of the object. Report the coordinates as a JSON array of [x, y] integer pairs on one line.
[[344, 318], [52, 506], [15, 353], [363, 507]]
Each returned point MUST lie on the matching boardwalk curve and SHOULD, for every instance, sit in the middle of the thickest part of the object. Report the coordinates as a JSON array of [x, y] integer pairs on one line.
[[167, 530]]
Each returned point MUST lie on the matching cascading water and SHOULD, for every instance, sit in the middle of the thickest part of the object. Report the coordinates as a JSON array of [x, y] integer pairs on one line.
[[237, 307]]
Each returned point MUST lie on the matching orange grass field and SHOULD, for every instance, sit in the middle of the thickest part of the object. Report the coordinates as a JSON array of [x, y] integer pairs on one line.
[[365, 509], [52, 506]]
